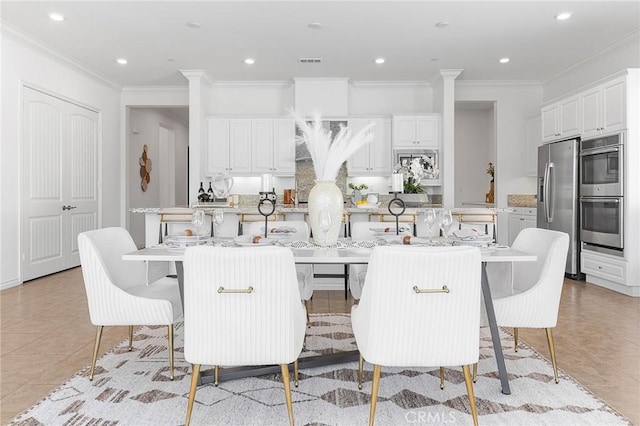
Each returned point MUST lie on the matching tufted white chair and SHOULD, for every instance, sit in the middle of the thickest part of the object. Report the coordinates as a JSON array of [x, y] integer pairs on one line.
[[397, 323], [537, 286], [117, 290], [242, 307], [304, 272]]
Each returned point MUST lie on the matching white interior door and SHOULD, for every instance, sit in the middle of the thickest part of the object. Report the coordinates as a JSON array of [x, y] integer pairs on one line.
[[167, 166], [59, 182]]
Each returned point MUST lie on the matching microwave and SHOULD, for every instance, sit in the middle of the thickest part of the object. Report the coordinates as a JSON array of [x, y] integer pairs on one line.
[[404, 157]]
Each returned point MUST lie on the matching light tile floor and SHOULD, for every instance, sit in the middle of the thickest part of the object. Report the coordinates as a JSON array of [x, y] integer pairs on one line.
[[46, 337]]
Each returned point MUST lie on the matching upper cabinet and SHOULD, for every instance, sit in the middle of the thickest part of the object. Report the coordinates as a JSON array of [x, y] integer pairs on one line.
[[416, 131], [604, 108], [273, 146], [248, 146], [561, 120], [375, 157], [533, 141]]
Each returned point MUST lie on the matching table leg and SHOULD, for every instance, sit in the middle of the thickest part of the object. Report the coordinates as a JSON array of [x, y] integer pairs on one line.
[[180, 273], [346, 282], [495, 335]]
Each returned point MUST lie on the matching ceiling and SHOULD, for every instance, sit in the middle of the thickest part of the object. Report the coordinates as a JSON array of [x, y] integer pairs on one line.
[[154, 38]]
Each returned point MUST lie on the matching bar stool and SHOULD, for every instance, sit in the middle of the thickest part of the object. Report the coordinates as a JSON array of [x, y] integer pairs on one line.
[[481, 217], [171, 216]]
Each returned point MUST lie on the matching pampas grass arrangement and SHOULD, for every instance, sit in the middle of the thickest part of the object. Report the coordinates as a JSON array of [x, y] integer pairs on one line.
[[328, 156]]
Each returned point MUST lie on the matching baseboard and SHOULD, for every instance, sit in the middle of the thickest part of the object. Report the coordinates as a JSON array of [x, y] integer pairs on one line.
[[633, 291], [11, 283]]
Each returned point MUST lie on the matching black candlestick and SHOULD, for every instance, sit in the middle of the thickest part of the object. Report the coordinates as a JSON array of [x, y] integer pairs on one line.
[[397, 210], [267, 199]]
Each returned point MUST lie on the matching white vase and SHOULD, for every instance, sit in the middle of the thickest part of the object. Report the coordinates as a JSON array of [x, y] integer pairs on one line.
[[325, 205]]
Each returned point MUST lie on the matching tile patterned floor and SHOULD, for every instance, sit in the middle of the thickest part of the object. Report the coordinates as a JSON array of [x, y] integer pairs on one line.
[[46, 336]]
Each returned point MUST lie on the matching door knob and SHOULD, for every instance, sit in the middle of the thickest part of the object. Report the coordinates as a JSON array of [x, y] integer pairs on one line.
[[68, 207]]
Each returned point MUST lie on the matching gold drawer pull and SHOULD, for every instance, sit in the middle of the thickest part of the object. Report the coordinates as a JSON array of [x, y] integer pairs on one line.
[[235, 290], [444, 289]]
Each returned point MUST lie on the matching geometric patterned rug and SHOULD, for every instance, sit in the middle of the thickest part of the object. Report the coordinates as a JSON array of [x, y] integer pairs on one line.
[[133, 388]]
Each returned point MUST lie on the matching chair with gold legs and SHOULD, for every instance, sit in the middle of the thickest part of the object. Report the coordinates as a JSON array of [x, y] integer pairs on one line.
[[420, 307], [117, 290], [534, 300], [242, 308]]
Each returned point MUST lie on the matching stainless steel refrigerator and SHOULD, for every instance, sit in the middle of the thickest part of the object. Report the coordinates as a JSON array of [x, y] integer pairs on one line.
[[558, 195]]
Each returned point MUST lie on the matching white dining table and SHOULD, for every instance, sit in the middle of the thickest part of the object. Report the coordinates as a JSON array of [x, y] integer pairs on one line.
[[348, 256]]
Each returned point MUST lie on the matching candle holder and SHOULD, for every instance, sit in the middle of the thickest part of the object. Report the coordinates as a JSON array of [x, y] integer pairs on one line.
[[267, 206], [396, 208]]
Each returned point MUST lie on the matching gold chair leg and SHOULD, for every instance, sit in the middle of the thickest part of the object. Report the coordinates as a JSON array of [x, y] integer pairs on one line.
[[374, 393], [441, 377], [130, 338], [296, 379], [216, 375], [475, 372], [195, 375], [96, 347], [515, 339], [472, 398], [170, 338], [287, 390], [307, 307], [552, 350], [360, 368]]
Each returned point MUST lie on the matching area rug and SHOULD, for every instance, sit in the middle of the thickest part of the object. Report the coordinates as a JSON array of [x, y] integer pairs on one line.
[[133, 388]]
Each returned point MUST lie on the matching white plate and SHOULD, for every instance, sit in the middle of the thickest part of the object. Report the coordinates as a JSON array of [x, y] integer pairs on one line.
[[247, 240], [182, 241]]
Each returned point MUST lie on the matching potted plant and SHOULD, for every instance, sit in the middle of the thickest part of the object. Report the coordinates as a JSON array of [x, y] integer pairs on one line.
[[357, 192], [413, 172]]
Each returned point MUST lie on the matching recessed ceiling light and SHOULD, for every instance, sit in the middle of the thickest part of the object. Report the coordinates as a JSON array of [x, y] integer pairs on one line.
[[504, 60], [442, 24], [315, 25], [121, 61], [56, 17], [249, 61], [380, 61], [434, 59], [563, 16], [171, 60], [193, 24]]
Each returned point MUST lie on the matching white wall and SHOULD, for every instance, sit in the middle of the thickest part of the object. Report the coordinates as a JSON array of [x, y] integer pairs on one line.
[[251, 99], [514, 102], [146, 122], [22, 64], [378, 98], [474, 149], [627, 55]]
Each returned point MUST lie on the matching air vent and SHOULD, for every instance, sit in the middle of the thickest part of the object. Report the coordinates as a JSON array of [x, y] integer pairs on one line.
[[310, 60]]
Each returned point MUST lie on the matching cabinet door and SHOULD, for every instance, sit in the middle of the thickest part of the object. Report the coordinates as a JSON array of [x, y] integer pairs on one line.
[[550, 123], [284, 147], [404, 132], [427, 132], [240, 146], [262, 146], [516, 224], [614, 106], [590, 104], [380, 148], [358, 163], [569, 117], [217, 145]]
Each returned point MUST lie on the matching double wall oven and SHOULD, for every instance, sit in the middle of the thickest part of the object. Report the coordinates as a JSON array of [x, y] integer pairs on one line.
[[601, 193]]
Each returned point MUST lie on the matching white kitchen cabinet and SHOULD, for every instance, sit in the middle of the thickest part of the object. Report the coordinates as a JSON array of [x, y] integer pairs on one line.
[[519, 219], [273, 146], [603, 266], [604, 108], [416, 131], [532, 141], [229, 146], [375, 157], [561, 119]]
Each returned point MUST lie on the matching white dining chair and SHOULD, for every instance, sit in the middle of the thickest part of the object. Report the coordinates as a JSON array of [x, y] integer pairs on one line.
[[242, 307], [420, 307], [534, 299], [117, 290], [304, 272]]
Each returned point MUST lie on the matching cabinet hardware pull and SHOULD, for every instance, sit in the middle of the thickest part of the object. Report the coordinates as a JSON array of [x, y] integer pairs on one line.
[[248, 290], [444, 289]]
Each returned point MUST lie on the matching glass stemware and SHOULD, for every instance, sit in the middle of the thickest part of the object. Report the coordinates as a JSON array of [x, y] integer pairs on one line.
[[445, 221], [324, 223], [197, 220], [430, 218], [218, 218]]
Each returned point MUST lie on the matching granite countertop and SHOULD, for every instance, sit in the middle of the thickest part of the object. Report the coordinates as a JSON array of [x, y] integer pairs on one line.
[[522, 200]]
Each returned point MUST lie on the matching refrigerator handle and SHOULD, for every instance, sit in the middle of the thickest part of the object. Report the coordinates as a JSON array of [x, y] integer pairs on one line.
[[550, 195], [545, 192]]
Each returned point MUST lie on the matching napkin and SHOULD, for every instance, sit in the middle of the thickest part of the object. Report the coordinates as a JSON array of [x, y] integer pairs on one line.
[[466, 234], [404, 239], [281, 230], [402, 228]]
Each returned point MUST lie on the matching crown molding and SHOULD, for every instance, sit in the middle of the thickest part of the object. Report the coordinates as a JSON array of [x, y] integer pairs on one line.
[[63, 59], [383, 83], [197, 74], [138, 89], [626, 41], [253, 83], [487, 83], [296, 79]]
